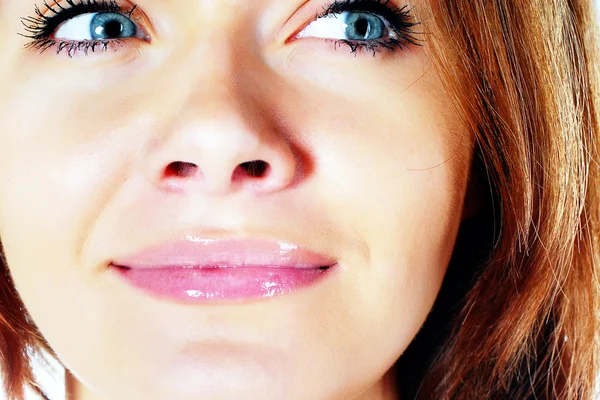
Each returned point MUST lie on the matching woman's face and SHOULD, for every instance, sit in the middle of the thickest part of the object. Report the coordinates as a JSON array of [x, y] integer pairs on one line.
[[367, 165]]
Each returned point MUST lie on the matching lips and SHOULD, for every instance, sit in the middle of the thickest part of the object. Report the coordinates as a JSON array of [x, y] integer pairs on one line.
[[201, 269]]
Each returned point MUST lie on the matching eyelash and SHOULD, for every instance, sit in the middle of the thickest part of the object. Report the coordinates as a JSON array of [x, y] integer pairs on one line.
[[400, 20], [41, 27]]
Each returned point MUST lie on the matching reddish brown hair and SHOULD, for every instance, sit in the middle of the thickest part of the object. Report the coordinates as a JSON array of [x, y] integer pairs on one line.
[[525, 76], [525, 324]]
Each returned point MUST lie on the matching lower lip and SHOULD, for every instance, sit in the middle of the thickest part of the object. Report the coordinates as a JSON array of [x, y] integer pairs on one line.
[[194, 284]]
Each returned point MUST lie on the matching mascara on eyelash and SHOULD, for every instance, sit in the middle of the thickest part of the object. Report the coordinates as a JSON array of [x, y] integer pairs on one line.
[[400, 19], [40, 27]]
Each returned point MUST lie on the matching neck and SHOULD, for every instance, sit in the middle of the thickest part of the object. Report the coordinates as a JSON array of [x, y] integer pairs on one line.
[[384, 389]]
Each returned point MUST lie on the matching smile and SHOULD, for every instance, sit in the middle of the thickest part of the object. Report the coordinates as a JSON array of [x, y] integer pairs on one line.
[[198, 270]]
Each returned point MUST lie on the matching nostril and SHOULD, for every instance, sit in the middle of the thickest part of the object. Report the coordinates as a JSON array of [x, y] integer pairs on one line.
[[180, 169], [256, 168]]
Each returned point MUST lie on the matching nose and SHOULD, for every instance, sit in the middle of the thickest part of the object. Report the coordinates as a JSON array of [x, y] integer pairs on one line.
[[220, 143]]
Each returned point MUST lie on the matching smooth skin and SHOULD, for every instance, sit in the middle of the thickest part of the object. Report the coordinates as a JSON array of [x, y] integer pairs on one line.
[[368, 163]]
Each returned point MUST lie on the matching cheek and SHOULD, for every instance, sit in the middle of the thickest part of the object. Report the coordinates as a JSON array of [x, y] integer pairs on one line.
[[395, 177], [64, 152], [395, 172], [60, 164]]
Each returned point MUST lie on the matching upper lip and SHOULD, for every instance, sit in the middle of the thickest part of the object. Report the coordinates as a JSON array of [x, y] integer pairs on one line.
[[192, 251]]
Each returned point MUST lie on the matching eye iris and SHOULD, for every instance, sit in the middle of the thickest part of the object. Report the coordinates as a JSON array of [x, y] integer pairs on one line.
[[111, 26], [364, 26]]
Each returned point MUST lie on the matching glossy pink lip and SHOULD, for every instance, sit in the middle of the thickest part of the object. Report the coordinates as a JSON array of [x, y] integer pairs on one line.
[[197, 269]]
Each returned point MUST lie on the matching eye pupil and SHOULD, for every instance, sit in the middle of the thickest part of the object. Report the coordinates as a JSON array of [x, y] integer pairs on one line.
[[364, 26], [111, 26]]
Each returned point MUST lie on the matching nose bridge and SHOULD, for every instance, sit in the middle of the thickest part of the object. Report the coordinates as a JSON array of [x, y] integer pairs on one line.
[[200, 70], [215, 47], [214, 72], [217, 135]]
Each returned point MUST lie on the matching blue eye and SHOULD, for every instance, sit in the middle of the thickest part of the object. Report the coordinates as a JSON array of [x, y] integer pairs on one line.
[[84, 26], [364, 26], [348, 25], [97, 26], [371, 25]]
